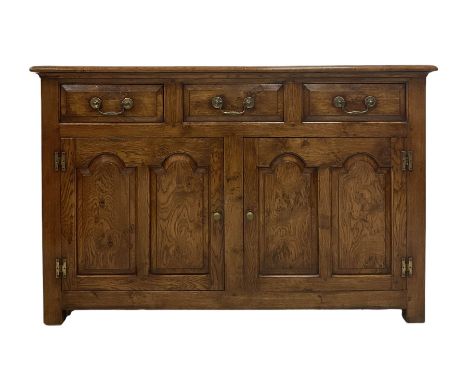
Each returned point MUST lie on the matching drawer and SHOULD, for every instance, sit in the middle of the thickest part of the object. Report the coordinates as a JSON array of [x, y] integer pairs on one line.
[[354, 102], [233, 102], [111, 103]]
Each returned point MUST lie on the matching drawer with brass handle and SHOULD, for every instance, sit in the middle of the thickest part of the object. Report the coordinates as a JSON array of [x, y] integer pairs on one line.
[[233, 102], [111, 103], [354, 102]]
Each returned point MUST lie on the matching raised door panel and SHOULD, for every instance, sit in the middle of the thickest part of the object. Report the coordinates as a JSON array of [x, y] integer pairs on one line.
[[288, 218], [361, 207], [329, 214], [179, 216], [137, 214], [106, 217]]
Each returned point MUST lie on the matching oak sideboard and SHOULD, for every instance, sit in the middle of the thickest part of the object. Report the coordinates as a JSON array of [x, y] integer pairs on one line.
[[233, 188]]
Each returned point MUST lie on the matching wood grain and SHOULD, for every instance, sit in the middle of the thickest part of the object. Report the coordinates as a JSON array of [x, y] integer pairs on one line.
[[416, 201], [140, 152], [268, 102], [390, 106], [352, 221], [240, 129], [334, 213], [221, 300], [288, 218], [333, 152], [53, 313], [234, 213], [179, 216], [324, 222], [143, 222], [361, 217], [143, 212], [106, 217], [424, 69], [251, 227], [147, 103], [68, 211], [292, 108], [173, 103], [399, 197]]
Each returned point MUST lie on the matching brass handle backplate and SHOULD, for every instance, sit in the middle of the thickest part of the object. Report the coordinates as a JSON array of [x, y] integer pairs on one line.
[[369, 103], [249, 215], [248, 103], [217, 216], [125, 104]]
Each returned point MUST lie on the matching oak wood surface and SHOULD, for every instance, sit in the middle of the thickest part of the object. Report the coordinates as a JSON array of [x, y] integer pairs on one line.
[[416, 202], [179, 216], [241, 129], [287, 216], [390, 101], [106, 222], [51, 243], [221, 300], [334, 212], [147, 102], [234, 213], [292, 108], [354, 203], [138, 214], [224, 69], [361, 198], [268, 102], [398, 213]]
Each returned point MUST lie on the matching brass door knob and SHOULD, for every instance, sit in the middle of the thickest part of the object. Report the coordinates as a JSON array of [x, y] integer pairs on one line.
[[217, 216], [249, 215]]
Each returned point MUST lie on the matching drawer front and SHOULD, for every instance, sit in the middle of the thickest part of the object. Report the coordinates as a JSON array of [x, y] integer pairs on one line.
[[354, 102], [111, 103], [233, 102]]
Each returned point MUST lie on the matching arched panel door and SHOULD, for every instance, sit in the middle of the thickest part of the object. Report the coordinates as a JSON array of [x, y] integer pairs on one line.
[[324, 214], [143, 214]]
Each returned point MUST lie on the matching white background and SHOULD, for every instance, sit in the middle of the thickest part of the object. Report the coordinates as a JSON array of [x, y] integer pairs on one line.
[[294, 345]]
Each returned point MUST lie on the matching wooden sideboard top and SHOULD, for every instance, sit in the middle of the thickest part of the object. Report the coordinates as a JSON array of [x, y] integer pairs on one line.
[[423, 69]]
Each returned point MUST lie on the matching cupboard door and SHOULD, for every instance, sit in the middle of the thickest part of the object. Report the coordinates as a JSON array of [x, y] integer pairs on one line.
[[143, 214], [324, 214]]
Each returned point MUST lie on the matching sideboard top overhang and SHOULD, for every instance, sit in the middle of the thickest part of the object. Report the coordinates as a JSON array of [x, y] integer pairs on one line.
[[421, 70]]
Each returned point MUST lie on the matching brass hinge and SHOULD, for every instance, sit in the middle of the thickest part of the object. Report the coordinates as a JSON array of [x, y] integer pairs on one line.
[[407, 160], [60, 161], [406, 266], [60, 268]]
